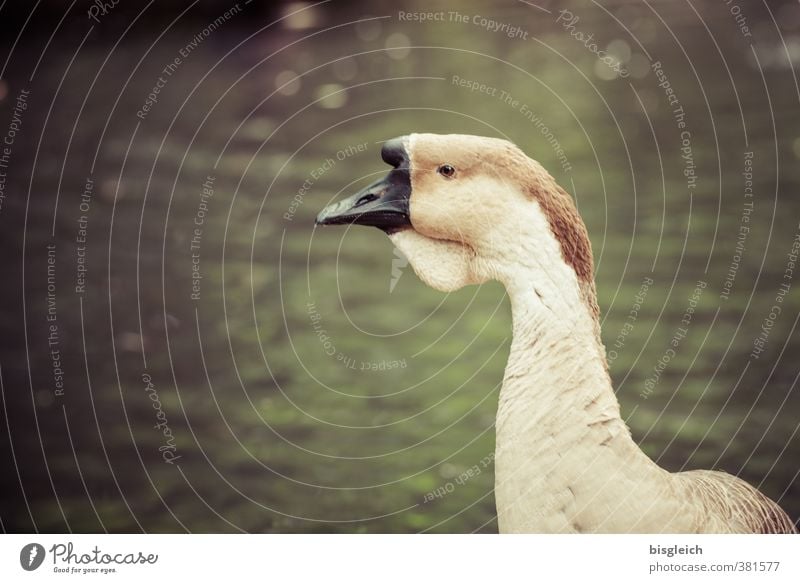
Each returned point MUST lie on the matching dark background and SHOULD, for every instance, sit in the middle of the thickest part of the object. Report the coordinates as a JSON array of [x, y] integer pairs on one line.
[[276, 435]]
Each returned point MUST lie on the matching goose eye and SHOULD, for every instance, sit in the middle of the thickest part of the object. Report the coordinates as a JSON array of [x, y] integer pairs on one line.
[[446, 170]]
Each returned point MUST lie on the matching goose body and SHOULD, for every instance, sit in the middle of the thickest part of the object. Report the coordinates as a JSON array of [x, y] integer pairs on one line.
[[468, 209]]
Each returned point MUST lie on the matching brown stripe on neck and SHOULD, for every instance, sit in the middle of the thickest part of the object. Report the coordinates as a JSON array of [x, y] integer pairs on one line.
[[562, 216], [569, 230], [557, 205]]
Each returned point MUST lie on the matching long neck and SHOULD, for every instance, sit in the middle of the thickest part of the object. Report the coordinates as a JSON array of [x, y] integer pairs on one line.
[[565, 461]]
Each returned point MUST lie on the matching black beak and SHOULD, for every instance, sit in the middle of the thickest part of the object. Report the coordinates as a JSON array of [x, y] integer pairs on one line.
[[384, 203]]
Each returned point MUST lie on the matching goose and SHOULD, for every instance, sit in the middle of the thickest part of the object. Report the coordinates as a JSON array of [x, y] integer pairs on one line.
[[468, 209]]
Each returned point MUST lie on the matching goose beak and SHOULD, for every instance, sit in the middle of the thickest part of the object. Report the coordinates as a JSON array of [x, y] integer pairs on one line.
[[384, 203]]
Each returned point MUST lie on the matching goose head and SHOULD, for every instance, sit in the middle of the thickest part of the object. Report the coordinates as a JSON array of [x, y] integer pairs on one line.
[[467, 209]]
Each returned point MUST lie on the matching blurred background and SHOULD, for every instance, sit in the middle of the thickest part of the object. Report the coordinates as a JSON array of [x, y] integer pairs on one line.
[[183, 351]]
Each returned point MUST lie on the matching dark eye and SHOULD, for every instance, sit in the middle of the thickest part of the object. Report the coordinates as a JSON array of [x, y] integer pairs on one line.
[[446, 170]]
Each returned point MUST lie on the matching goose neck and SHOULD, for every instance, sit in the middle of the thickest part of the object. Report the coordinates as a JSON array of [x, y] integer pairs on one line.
[[562, 447]]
